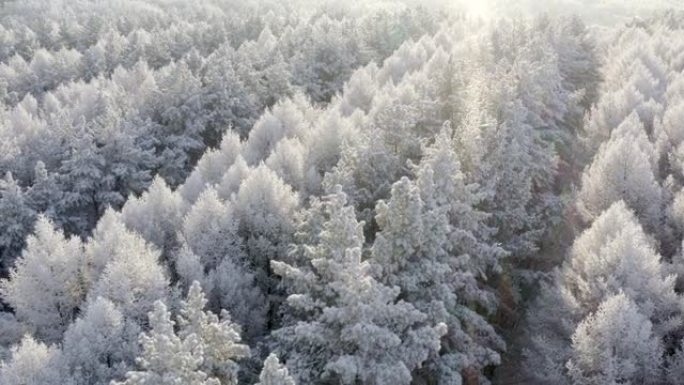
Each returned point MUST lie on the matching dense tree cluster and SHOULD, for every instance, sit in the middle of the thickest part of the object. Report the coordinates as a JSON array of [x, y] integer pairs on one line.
[[98, 98], [616, 299], [358, 194]]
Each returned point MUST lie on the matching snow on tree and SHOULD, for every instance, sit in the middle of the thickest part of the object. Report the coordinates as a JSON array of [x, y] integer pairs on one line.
[[155, 215], [201, 352], [399, 118], [33, 363], [261, 65], [232, 178], [80, 176], [128, 149], [615, 345], [230, 286], [577, 56], [274, 373], [167, 359], [211, 167], [675, 365], [111, 240], [225, 95], [287, 161], [668, 133], [100, 346], [13, 331], [124, 269], [363, 168], [181, 120], [323, 63], [615, 255], [324, 144], [611, 257], [359, 90], [210, 230], [283, 121], [622, 170], [265, 207], [44, 192], [15, 224], [510, 160], [48, 283], [612, 109], [188, 267], [96, 100], [220, 338], [234, 287], [432, 244], [551, 321], [343, 325]]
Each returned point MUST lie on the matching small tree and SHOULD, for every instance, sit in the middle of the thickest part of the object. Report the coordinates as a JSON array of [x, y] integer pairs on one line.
[[274, 373]]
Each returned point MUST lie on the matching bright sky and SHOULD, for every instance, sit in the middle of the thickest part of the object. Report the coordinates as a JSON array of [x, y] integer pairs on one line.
[[593, 11], [481, 8]]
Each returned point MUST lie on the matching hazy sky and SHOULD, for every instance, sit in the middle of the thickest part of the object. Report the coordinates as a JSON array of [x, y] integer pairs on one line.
[[593, 11]]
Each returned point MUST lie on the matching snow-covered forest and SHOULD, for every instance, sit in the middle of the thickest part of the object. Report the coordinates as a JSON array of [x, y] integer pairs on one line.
[[383, 192]]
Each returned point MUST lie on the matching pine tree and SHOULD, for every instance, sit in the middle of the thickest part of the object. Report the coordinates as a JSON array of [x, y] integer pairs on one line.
[[210, 229], [44, 192], [124, 269], [33, 363], [48, 283], [511, 161], [211, 167], [220, 338], [623, 170], [432, 244], [155, 215], [202, 352], [81, 176], [100, 345], [15, 224], [344, 326], [615, 345], [274, 373], [265, 207], [611, 257], [167, 359]]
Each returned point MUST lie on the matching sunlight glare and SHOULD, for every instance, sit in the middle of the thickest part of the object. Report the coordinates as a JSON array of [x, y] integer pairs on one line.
[[478, 8]]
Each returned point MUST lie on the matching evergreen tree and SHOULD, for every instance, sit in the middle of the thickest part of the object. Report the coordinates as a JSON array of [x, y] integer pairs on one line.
[[432, 244], [48, 283], [202, 352], [16, 222], [615, 345], [124, 269], [274, 373], [155, 215], [33, 363], [623, 170], [100, 345], [612, 257], [345, 327]]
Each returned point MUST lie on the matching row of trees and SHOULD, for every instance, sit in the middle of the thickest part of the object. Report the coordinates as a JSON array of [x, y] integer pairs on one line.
[[616, 300]]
